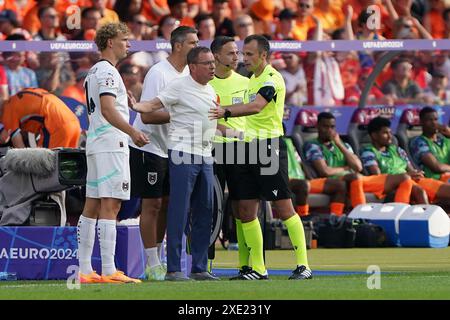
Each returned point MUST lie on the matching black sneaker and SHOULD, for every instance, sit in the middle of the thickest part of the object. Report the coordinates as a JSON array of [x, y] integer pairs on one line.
[[301, 273], [251, 275], [243, 270]]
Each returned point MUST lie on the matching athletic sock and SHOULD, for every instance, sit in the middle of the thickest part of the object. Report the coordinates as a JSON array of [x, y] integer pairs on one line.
[[243, 252], [357, 195], [403, 193], [86, 239], [107, 232], [296, 233], [254, 239], [302, 211], [337, 208], [152, 257]]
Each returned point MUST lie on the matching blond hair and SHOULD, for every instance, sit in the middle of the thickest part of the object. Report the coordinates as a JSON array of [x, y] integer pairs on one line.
[[109, 31]]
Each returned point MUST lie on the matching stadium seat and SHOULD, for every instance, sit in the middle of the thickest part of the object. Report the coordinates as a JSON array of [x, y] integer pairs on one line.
[[357, 129]]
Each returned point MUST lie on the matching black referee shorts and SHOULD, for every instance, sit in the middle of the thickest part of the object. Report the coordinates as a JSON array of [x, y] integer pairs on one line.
[[226, 164], [265, 174], [149, 174]]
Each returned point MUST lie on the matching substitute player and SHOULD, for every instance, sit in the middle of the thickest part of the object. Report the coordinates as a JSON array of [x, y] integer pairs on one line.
[[381, 156], [108, 177]]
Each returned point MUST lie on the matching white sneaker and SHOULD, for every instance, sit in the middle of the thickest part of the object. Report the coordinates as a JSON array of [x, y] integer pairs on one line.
[[156, 273]]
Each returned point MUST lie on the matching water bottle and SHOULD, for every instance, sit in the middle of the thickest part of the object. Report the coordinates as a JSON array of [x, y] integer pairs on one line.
[[8, 276]]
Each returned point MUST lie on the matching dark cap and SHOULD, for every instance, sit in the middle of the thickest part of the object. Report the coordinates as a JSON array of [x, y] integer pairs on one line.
[[438, 73], [287, 14], [10, 16]]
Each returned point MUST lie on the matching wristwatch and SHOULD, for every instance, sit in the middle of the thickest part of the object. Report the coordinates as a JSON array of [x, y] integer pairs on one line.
[[227, 114]]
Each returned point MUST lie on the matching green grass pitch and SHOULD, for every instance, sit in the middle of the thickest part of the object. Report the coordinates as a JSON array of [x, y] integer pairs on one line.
[[405, 274]]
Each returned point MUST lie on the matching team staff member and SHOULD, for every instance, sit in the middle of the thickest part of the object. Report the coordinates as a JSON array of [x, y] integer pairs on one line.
[[381, 156], [149, 165], [231, 88], [431, 150], [108, 176], [38, 111], [190, 162], [264, 129], [332, 158]]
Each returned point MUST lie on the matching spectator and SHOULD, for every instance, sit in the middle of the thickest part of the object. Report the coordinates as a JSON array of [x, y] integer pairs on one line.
[[132, 78], [434, 19], [19, 77], [108, 15], [205, 26], [304, 20], [128, 9], [244, 27], [437, 92], [19, 7], [31, 20], [295, 80], [154, 10], [364, 32], [446, 17], [140, 28], [330, 15], [286, 25], [401, 87], [4, 94], [48, 18], [77, 91], [8, 23], [54, 74], [375, 96], [90, 21], [261, 12], [180, 9], [325, 86], [220, 14]]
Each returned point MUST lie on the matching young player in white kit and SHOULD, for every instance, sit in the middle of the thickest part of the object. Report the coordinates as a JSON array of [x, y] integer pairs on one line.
[[108, 177]]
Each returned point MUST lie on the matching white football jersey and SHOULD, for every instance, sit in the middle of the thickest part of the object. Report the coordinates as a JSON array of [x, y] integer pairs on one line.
[[104, 79], [157, 78]]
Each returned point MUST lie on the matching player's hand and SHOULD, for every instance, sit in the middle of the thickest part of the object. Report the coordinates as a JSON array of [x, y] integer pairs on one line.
[[216, 113], [139, 138], [336, 138], [131, 100], [416, 174]]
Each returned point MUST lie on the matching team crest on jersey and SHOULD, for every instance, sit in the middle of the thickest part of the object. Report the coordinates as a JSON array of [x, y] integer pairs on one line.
[[252, 97], [152, 178], [236, 100], [110, 82], [125, 186]]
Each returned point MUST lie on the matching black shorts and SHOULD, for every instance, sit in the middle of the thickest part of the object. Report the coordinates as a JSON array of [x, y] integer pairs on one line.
[[149, 174], [226, 163], [265, 174]]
